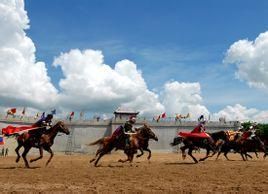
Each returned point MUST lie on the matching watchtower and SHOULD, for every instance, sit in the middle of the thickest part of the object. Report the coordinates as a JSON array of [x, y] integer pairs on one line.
[[124, 114]]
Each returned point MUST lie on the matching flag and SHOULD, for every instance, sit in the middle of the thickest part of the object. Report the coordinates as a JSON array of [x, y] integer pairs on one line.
[[158, 118], [71, 116], [36, 116], [53, 112], [13, 110], [163, 115], [23, 111], [43, 115], [2, 142], [10, 130]]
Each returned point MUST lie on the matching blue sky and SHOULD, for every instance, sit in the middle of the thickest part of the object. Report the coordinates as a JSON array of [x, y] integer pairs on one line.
[[176, 40]]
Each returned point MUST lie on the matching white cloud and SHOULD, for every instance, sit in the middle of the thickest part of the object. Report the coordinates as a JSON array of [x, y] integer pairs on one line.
[[251, 59], [89, 84], [23, 80], [242, 113], [184, 98]]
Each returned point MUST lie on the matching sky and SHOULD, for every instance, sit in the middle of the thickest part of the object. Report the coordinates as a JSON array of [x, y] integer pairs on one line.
[[203, 57]]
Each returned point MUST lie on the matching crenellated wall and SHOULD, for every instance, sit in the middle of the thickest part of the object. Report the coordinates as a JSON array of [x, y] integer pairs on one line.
[[85, 132]]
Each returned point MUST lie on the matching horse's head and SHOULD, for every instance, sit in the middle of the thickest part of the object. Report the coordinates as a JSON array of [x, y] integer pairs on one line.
[[62, 127], [147, 132]]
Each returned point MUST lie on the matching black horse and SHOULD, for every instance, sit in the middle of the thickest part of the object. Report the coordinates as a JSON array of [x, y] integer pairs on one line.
[[243, 147], [192, 143]]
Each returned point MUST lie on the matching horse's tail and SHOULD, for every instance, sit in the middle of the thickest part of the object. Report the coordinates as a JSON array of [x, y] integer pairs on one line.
[[176, 141], [99, 141]]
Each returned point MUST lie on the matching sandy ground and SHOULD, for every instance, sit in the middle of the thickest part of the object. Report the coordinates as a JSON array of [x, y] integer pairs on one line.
[[166, 173]]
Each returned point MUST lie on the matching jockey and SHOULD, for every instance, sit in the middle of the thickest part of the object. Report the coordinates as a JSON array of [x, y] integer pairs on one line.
[[41, 126], [201, 125], [250, 133], [127, 128], [252, 130]]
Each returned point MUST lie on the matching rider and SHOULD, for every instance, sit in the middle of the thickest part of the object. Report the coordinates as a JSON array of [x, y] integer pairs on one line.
[[41, 126], [250, 133], [201, 125], [127, 128]]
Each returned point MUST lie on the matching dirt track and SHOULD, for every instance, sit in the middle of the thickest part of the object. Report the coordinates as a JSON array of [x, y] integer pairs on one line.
[[165, 173]]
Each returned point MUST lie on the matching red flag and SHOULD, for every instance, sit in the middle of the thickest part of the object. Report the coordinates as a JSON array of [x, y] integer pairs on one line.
[[163, 115], [72, 114], [13, 110], [9, 130]]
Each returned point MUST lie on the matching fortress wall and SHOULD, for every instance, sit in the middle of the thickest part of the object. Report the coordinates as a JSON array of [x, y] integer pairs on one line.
[[86, 132]]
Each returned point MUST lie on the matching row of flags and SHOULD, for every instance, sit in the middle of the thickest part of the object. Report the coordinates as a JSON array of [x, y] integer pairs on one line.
[[13, 111], [177, 116]]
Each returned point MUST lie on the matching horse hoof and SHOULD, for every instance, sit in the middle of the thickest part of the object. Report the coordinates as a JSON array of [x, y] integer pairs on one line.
[[17, 160], [92, 160]]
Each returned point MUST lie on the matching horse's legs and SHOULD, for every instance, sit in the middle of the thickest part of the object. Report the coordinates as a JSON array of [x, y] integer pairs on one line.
[[247, 155], [49, 150], [150, 153], [97, 153], [241, 153], [207, 155], [139, 155], [100, 155], [183, 148], [17, 151], [26, 150], [190, 154], [38, 158], [219, 153], [256, 153]]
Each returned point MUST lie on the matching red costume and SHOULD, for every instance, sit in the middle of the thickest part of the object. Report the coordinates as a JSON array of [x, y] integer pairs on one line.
[[198, 129]]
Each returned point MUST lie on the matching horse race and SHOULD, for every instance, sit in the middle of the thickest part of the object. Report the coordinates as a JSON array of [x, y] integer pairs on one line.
[[125, 96]]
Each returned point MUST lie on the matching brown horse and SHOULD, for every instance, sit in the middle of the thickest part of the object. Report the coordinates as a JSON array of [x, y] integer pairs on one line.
[[46, 141], [139, 140]]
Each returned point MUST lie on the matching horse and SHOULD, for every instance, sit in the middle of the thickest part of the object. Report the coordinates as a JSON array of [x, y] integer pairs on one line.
[[249, 145], [138, 140], [46, 141], [192, 143]]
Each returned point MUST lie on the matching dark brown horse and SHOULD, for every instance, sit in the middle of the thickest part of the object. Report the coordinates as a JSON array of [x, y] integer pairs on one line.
[[139, 140], [255, 144], [46, 141], [193, 143]]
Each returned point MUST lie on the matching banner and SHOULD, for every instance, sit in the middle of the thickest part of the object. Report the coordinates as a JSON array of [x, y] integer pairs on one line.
[[11, 130]]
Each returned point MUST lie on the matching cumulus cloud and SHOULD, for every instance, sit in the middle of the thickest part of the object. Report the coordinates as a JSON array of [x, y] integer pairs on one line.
[[184, 98], [23, 80], [89, 84], [251, 59], [242, 113]]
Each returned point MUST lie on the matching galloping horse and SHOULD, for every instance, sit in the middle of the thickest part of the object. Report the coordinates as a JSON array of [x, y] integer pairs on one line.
[[191, 143], [139, 140], [46, 141], [249, 145]]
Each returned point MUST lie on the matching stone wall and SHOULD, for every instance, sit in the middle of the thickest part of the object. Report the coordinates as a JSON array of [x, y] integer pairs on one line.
[[85, 132]]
